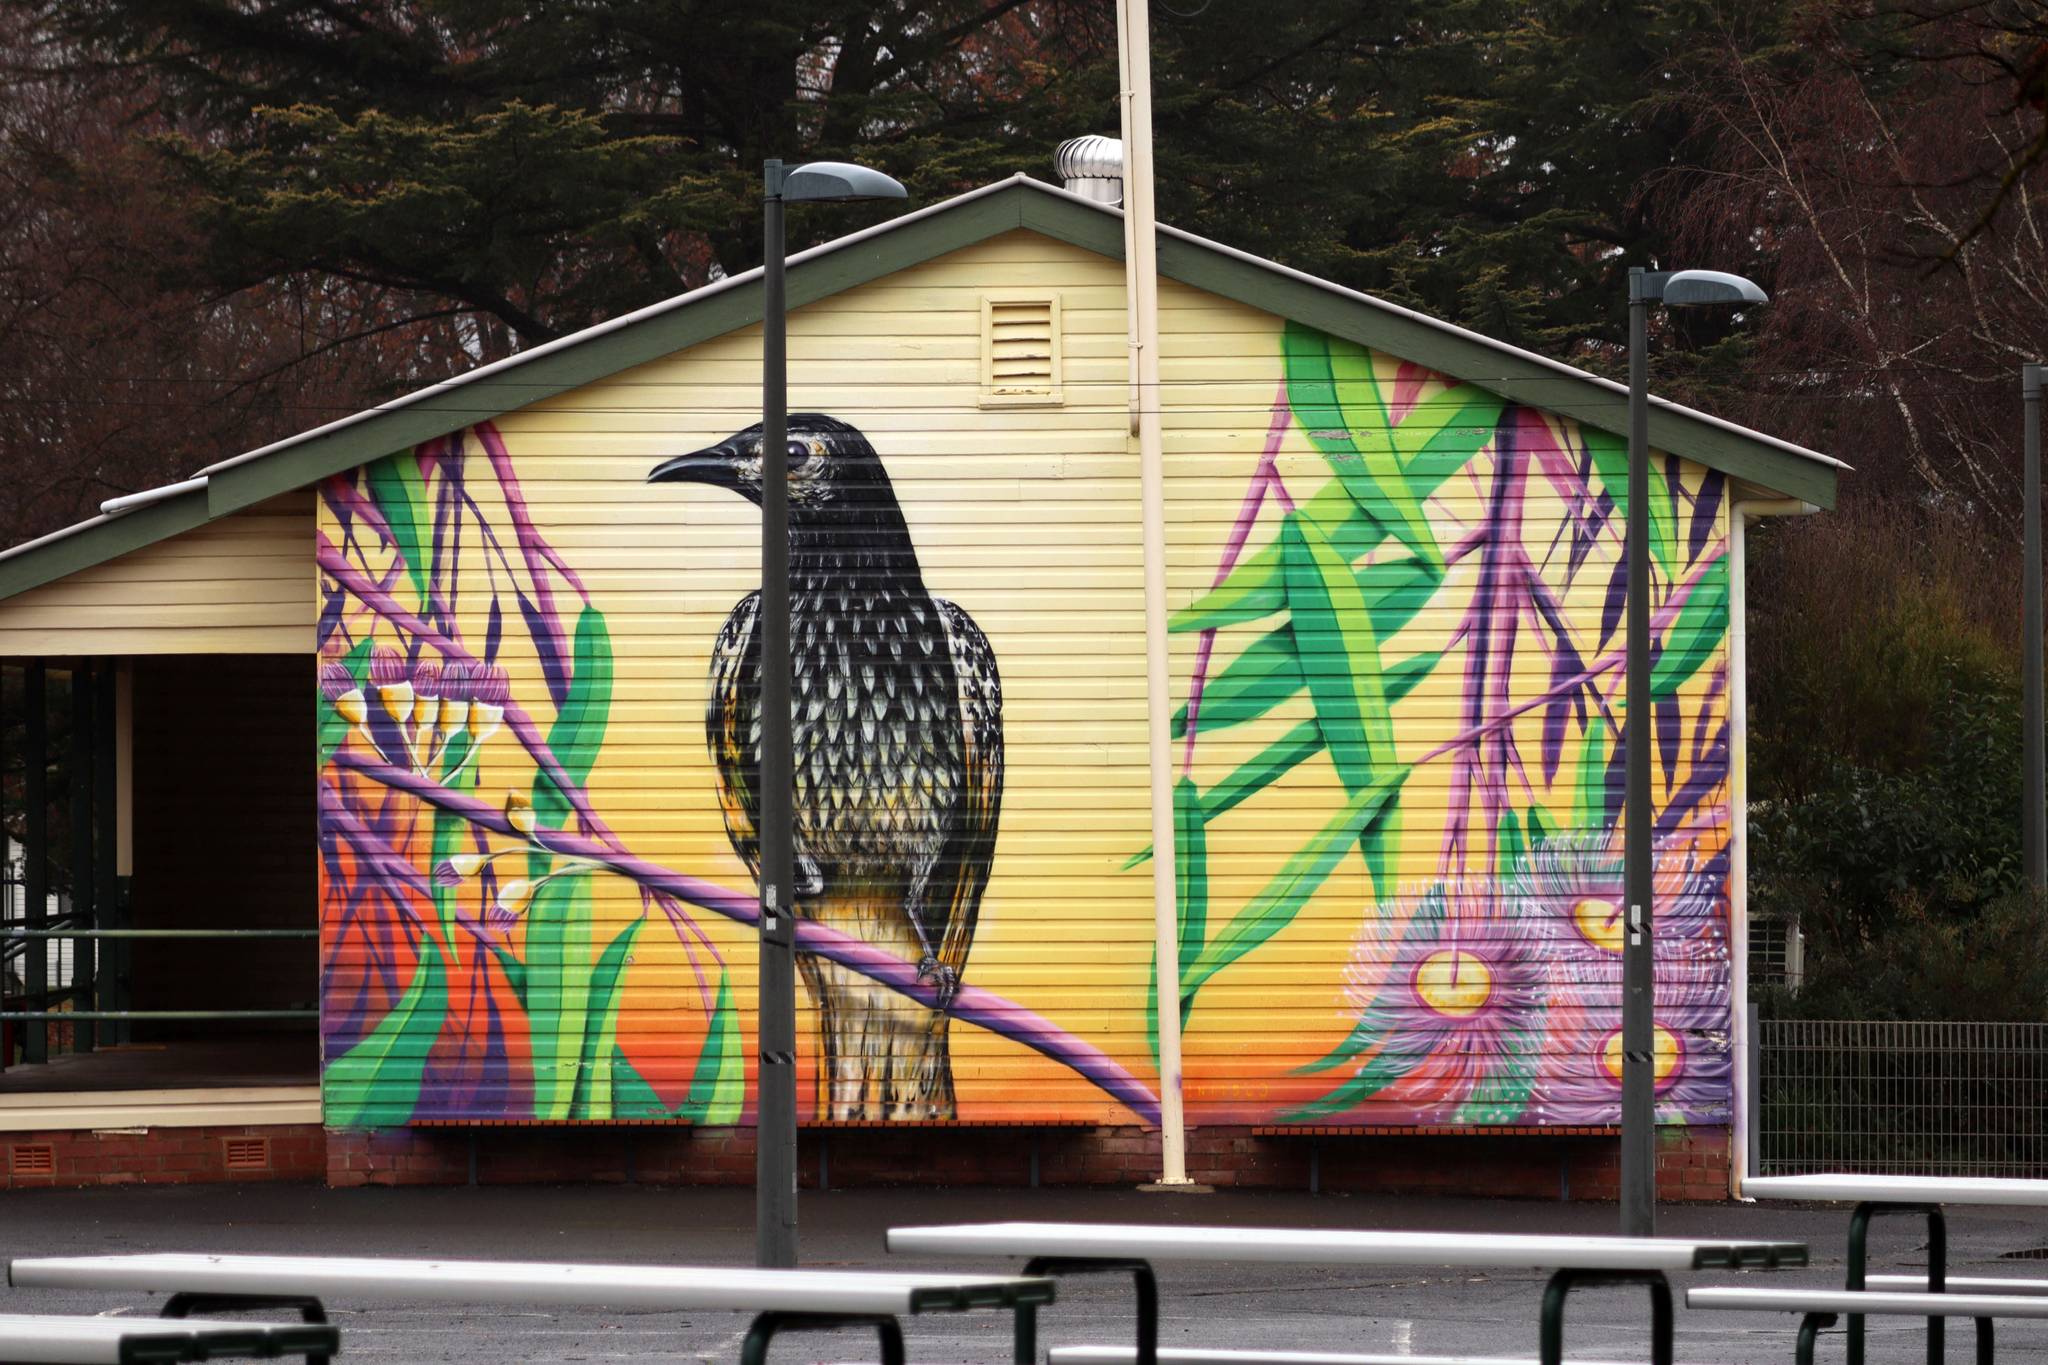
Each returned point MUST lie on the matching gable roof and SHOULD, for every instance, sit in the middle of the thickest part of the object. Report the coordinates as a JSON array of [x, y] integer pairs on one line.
[[861, 258]]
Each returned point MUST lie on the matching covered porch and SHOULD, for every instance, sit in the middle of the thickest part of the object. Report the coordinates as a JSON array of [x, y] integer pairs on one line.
[[159, 921], [159, 951]]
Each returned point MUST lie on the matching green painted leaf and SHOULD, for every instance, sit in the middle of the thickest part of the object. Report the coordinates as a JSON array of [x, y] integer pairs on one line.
[[377, 1082], [1251, 590], [396, 488], [718, 1089], [1277, 903], [1263, 675], [334, 727], [593, 1090], [1589, 810], [1695, 635], [1191, 876], [1280, 757], [1372, 471], [1270, 764], [1508, 851], [558, 975], [558, 932], [1385, 1067], [577, 735], [451, 831], [632, 1096], [1191, 899], [1433, 449], [1339, 656]]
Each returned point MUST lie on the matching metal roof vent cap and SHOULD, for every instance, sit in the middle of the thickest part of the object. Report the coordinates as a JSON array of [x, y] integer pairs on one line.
[[1092, 167]]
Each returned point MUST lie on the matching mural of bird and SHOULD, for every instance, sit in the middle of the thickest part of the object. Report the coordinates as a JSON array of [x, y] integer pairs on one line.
[[898, 736]]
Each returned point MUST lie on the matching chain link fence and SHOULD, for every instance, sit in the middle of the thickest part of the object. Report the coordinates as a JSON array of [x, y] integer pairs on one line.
[[1901, 1098]]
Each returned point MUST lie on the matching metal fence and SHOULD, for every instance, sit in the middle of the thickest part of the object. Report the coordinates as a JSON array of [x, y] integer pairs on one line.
[[1901, 1097]]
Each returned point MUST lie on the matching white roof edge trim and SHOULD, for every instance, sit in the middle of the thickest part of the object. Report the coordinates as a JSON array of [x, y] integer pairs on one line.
[[128, 502], [624, 320]]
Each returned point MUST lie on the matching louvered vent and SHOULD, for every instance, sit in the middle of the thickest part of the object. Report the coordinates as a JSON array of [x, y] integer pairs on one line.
[[1020, 350], [248, 1154], [33, 1158]]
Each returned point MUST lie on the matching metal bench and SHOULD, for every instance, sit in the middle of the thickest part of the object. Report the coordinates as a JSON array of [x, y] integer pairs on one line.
[[1130, 1248], [1959, 1284], [1204, 1355], [1820, 1308], [27, 1339], [1917, 1196], [781, 1300]]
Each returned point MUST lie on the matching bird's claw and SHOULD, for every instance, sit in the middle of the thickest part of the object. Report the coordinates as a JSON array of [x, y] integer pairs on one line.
[[943, 978]]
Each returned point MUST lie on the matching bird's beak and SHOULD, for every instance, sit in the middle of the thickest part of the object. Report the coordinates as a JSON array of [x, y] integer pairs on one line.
[[716, 465]]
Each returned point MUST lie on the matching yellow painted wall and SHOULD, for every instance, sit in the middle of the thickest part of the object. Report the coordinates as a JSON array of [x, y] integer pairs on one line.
[[1026, 518], [239, 585]]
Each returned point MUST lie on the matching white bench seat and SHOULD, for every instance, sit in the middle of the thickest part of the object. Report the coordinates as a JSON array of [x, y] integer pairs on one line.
[[36, 1339], [1869, 1301], [1960, 1284], [1211, 1355], [530, 1283]]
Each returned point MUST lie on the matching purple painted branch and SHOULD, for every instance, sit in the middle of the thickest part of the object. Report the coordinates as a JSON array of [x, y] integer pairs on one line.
[[390, 863], [976, 1006], [1659, 623], [531, 543], [335, 566], [1265, 478]]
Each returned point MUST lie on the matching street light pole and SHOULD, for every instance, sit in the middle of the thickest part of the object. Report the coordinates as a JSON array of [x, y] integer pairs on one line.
[[1673, 289], [775, 1085], [775, 1229], [1638, 962], [2034, 813]]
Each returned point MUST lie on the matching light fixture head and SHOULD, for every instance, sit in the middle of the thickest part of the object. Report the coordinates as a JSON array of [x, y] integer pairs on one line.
[[1687, 288], [838, 181]]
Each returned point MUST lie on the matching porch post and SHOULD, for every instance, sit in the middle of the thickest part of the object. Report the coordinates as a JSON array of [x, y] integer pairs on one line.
[[7, 1031], [110, 983], [78, 781], [35, 850]]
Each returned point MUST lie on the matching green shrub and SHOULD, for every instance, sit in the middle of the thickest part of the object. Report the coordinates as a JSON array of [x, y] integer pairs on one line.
[[1885, 768]]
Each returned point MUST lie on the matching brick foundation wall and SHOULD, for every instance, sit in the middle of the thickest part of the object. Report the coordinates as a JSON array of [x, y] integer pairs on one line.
[[1692, 1164], [161, 1156]]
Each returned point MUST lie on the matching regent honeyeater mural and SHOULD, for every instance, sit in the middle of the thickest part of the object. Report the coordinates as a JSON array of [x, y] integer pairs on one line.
[[1399, 753], [897, 730]]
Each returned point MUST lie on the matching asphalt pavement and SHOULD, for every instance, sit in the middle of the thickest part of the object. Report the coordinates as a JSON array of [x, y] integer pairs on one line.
[[1396, 1310]]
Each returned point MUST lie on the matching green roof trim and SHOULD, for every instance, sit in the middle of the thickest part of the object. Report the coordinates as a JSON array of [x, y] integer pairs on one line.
[[899, 244], [585, 359], [97, 541]]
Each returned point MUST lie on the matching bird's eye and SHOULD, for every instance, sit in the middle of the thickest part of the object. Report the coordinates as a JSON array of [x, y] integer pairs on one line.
[[799, 451]]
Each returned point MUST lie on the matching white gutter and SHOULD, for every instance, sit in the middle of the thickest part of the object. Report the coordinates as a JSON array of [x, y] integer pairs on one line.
[[1739, 514], [128, 502]]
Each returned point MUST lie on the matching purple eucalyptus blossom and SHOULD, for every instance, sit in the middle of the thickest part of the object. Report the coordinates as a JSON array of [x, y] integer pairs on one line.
[[1455, 992], [1580, 1082]]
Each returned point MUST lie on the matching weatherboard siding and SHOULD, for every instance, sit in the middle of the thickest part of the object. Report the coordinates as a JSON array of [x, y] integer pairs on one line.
[[1028, 519], [240, 585]]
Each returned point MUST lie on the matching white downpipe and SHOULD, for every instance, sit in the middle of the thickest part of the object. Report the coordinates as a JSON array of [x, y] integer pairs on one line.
[[1141, 273], [1739, 514]]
